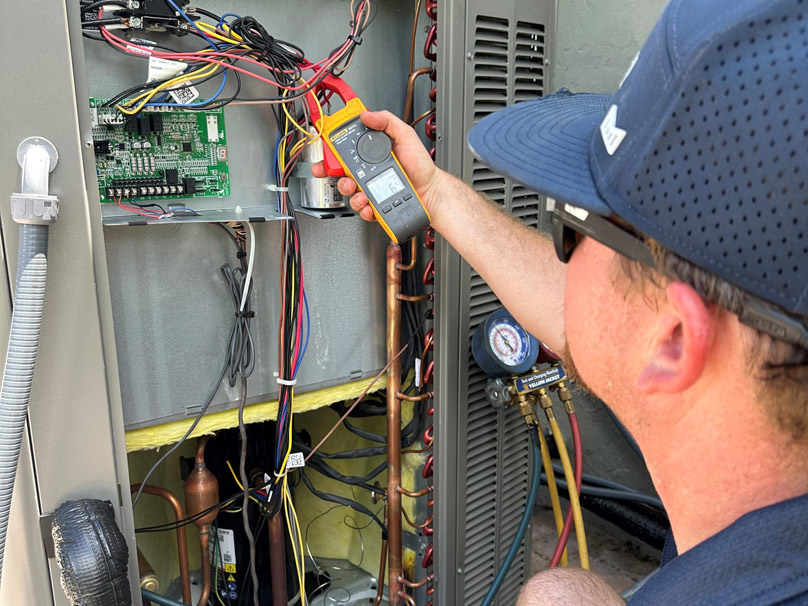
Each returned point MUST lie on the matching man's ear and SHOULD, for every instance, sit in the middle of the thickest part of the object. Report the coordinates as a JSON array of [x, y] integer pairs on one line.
[[681, 340]]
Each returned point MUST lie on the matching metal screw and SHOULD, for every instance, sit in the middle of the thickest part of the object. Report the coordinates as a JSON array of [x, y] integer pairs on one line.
[[547, 62], [459, 571], [134, 4], [135, 22], [88, 144], [469, 55], [183, 26]]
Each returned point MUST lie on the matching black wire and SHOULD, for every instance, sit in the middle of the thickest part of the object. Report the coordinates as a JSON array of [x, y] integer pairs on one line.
[[93, 5], [344, 501]]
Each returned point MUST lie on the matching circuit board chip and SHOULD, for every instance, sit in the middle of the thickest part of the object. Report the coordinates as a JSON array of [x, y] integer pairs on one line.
[[167, 154]]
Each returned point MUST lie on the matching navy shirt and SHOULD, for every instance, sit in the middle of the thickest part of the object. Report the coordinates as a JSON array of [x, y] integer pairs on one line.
[[762, 558]]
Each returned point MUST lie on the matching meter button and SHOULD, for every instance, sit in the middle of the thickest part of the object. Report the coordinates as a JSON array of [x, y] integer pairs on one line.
[[408, 196], [387, 208], [397, 203], [374, 147]]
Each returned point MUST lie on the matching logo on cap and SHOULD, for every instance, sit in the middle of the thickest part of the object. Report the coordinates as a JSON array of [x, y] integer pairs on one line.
[[612, 135]]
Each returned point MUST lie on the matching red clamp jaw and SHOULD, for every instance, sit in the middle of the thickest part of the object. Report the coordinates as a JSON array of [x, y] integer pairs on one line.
[[325, 123]]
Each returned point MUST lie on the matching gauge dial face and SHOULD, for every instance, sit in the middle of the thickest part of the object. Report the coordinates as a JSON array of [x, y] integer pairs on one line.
[[509, 342]]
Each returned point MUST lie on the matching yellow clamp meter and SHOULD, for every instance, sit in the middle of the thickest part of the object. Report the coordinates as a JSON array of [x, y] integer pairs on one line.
[[366, 155]]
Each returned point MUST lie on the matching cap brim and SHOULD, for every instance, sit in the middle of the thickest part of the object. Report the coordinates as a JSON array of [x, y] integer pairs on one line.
[[544, 145]]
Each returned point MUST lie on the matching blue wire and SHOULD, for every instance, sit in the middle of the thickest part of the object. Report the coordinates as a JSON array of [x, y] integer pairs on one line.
[[191, 21], [215, 95], [308, 330], [223, 22]]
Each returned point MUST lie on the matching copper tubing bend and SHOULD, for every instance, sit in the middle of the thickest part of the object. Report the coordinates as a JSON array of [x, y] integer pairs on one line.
[[410, 89], [413, 255], [424, 396], [414, 495], [426, 580], [182, 545], [416, 298], [395, 547]]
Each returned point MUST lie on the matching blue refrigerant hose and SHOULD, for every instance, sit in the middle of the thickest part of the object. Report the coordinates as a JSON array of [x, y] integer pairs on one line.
[[523, 524]]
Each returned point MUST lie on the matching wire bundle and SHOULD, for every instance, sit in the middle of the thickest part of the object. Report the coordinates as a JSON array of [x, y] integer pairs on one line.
[[231, 47]]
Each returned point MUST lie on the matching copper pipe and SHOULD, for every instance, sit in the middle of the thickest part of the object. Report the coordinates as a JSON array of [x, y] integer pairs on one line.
[[414, 495], [413, 255], [202, 495], [420, 450], [424, 396], [426, 523], [382, 565], [410, 89], [414, 29], [204, 542], [415, 298], [395, 564], [425, 581], [277, 559], [426, 114], [406, 597], [182, 544], [148, 580]]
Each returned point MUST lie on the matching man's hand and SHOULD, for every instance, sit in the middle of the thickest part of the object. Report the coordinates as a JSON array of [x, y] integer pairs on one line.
[[412, 155]]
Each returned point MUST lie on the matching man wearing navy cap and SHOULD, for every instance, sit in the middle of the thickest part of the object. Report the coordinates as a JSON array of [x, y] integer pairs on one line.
[[680, 262]]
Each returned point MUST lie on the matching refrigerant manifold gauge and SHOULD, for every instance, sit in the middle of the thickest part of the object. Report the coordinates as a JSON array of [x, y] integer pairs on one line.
[[501, 347]]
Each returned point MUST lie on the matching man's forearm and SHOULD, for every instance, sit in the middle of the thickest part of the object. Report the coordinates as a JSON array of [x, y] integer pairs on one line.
[[517, 262]]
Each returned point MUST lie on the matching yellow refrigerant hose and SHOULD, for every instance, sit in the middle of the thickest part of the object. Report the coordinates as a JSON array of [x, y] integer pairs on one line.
[[573, 490], [547, 463]]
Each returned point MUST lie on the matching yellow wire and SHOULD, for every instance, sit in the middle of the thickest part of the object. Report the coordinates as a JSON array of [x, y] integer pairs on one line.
[[558, 513], [577, 515], [147, 96], [210, 30], [296, 545], [240, 485]]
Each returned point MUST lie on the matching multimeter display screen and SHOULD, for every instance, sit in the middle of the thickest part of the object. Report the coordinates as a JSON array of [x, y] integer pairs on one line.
[[385, 185]]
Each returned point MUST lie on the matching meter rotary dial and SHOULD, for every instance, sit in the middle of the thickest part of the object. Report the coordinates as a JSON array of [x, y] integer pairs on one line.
[[374, 147]]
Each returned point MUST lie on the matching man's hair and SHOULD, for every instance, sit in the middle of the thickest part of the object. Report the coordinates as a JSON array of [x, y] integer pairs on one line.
[[781, 367]]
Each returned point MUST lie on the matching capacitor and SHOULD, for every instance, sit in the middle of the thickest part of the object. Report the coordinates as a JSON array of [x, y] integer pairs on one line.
[[318, 194]]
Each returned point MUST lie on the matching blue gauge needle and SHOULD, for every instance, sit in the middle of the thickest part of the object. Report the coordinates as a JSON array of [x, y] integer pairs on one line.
[[504, 338]]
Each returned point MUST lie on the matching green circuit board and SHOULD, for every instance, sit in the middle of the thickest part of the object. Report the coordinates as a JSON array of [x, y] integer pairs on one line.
[[159, 155]]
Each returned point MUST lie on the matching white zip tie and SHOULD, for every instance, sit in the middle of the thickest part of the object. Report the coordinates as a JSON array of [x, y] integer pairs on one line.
[[273, 187], [291, 383]]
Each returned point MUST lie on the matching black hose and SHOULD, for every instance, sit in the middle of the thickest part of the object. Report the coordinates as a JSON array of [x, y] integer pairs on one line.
[[650, 528], [92, 553]]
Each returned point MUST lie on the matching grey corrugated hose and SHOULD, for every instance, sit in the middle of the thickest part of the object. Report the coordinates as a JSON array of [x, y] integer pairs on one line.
[[34, 209]]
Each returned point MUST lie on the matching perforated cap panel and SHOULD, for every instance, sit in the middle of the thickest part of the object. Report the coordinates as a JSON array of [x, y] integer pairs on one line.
[[725, 184]]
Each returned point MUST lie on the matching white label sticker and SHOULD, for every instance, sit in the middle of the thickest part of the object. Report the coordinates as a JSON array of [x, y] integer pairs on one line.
[[550, 204], [163, 69], [418, 372], [227, 548], [139, 50], [295, 460], [579, 213], [612, 135], [185, 95]]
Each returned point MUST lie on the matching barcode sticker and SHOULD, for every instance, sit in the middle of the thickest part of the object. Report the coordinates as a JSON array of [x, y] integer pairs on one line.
[[163, 69], [418, 372], [226, 557], [185, 95], [295, 460]]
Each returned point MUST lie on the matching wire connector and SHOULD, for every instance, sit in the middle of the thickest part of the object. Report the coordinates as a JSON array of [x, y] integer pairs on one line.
[[356, 40]]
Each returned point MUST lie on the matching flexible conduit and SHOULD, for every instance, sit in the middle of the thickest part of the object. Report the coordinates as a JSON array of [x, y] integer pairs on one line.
[[523, 524], [37, 158]]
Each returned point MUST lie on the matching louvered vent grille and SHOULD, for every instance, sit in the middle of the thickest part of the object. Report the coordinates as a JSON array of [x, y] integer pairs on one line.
[[508, 67]]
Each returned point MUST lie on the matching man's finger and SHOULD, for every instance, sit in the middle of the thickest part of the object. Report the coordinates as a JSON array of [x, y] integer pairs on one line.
[[318, 170], [359, 201], [367, 213], [346, 186], [384, 121]]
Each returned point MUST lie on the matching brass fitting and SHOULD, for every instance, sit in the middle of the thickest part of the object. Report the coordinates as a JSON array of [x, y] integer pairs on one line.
[[566, 397], [526, 404], [544, 399]]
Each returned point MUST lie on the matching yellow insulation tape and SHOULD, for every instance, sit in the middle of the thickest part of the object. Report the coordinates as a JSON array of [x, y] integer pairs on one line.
[[169, 433]]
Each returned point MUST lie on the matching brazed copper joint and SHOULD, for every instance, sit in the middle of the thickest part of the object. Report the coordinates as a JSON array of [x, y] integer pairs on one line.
[[414, 495], [182, 544], [202, 494], [395, 546]]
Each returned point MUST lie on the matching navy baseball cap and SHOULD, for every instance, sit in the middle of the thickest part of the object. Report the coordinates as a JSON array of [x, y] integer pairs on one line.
[[704, 147]]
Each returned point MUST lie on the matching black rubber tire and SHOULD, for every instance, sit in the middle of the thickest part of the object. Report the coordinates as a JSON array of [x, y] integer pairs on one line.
[[92, 553]]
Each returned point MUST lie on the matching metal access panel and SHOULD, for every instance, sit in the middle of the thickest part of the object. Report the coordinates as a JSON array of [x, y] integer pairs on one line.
[[491, 55], [171, 306]]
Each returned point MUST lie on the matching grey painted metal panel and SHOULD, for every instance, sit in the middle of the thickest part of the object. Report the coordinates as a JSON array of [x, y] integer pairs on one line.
[[493, 55], [171, 308]]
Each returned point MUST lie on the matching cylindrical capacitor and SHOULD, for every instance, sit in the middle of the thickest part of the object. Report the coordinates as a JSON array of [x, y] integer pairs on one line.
[[319, 194]]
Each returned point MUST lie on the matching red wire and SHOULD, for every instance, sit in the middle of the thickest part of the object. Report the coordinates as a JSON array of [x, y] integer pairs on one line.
[[579, 471]]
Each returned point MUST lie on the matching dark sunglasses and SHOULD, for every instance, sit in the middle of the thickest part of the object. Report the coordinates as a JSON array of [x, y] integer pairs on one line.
[[569, 223]]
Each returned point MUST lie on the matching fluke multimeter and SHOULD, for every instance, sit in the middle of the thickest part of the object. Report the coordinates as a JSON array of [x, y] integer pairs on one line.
[[366, 155]]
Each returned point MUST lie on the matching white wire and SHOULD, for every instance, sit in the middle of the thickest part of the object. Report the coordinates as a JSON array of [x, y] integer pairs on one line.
[[248, 281]]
